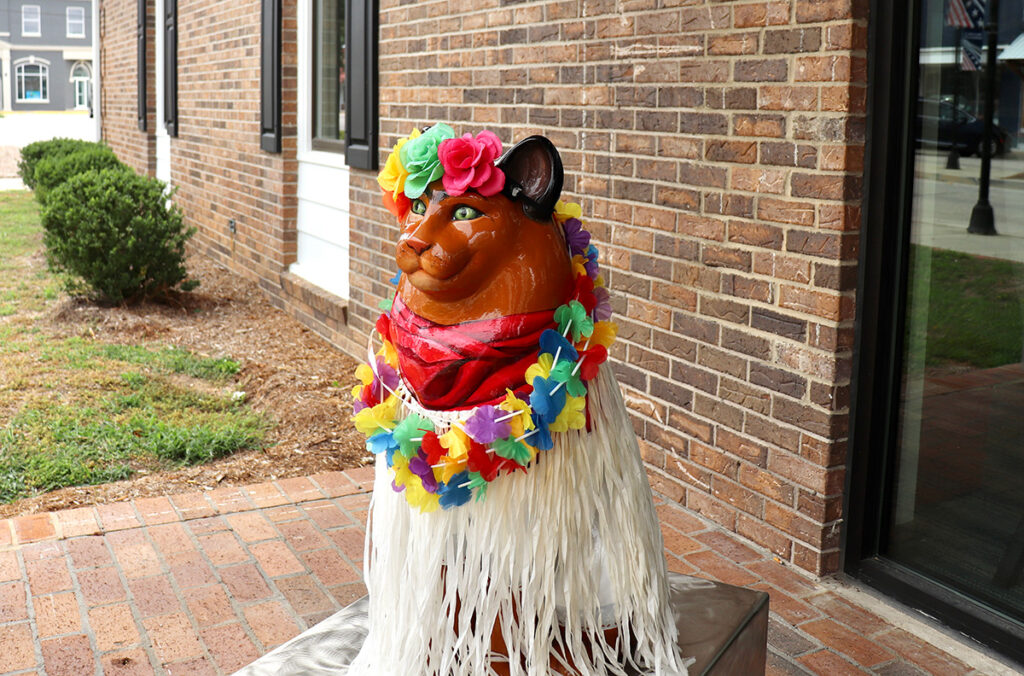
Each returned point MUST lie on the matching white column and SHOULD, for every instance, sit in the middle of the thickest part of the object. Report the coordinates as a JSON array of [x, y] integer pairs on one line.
[[163, 139], [7, 91], [97, 110]]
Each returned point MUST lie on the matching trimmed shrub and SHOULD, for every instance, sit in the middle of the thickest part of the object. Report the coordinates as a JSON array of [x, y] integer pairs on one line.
[[53, 170], [115, 236], [53, 148]]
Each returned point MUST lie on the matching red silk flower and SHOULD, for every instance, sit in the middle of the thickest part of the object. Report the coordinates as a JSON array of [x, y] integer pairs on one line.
[[583, 291], [469, 163]]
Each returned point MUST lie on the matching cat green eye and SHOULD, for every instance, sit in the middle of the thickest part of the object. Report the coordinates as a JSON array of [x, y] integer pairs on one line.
[[419, 207], [464, 213]]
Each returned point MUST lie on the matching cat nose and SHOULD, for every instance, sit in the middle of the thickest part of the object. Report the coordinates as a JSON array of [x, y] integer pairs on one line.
[[417, 245]]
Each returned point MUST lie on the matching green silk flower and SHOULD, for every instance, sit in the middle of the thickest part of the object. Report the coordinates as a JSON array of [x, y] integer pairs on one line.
[[419, 157]]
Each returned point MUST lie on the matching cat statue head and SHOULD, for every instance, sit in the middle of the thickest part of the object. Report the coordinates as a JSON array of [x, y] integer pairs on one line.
[[478, 237]]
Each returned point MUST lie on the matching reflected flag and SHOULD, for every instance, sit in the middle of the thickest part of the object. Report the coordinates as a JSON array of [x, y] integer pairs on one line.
[[966, 14], [970, 50]]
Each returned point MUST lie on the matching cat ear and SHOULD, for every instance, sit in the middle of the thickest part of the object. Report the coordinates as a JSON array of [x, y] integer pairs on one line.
[[533, 176]]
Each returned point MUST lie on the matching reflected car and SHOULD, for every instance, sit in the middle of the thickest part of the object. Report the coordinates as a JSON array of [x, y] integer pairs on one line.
[[941, 125]]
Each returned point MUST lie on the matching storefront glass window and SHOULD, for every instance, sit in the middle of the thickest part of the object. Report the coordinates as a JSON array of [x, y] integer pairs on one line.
[[957, 512]]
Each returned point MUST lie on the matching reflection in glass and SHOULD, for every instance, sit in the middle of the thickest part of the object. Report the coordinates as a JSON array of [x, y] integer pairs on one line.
[[958, 507], [329, 70]]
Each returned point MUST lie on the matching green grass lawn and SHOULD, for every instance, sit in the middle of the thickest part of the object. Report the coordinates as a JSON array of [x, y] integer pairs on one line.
[[974, 315], [79, 411]]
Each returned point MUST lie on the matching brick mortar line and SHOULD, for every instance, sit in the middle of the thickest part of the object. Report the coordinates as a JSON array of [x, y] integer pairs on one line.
[[766, 554], [144, 643], [30, 609], [755, 303], [54, 520], [747, 541], [331, 545], [179, 593], [326, 534], [805, 400], [277, 593], [765, 442], [793, 507]]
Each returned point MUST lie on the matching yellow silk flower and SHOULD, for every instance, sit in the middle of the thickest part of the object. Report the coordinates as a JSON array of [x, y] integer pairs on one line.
[[572, 416], [392, 176], [418, 497], [382, 416], [542, 368], [390, 354], [604, 334], [450, 467], [400, 466], [365, 375], [567, 210], [578, 266], [456, 441], [519, 423]]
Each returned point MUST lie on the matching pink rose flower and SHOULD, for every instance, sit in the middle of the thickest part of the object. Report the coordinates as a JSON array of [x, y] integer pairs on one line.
[[469, 163]]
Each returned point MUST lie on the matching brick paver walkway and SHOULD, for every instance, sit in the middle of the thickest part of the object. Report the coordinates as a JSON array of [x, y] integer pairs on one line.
[[203, 583]]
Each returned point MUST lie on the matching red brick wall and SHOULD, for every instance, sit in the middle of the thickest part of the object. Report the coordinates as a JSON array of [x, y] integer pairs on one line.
[[118, 90], [216, 160], [716, 148], [217, 166]]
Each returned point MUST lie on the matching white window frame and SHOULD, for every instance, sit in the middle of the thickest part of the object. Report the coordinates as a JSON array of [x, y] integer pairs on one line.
[[25, 19], [19, 76], [80, 21]]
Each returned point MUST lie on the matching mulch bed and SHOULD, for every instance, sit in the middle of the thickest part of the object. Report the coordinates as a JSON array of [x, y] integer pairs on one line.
[[289, 373]]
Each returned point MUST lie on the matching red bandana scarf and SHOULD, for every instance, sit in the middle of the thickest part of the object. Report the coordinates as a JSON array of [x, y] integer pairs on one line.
[[464, 365]]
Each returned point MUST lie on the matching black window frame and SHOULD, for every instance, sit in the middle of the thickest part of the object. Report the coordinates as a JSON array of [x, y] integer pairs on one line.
[[141, 80], [893, 41], [170, 28], [270, 76], [362, 36], [361, 87]]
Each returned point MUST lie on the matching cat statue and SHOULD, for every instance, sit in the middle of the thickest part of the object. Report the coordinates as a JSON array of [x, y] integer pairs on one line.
[[512, 529]]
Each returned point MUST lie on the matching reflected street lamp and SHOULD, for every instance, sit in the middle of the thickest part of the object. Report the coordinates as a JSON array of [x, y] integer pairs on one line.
[[983, 219]]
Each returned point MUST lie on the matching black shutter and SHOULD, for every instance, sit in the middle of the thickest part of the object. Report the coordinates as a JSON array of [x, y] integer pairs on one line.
[[140, 59], [171, 66], [270, 76], [361, 83]]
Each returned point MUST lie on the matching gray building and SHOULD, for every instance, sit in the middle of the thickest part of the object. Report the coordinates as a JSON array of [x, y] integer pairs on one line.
[[46, 55]]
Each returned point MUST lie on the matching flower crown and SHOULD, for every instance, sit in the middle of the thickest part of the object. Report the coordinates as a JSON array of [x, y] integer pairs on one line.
[[462, 163]]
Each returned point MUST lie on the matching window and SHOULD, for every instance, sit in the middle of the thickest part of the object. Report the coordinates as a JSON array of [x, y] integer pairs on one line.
[[935, 511], [80, 78], [270, 75], [33, 83], [329, 75], [30, 21], [76, 22]]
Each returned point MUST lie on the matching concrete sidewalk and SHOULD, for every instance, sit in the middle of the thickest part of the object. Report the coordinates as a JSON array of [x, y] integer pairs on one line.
[[204, 583]]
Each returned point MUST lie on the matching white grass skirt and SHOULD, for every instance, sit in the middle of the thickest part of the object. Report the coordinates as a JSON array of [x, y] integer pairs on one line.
[[573, 546]]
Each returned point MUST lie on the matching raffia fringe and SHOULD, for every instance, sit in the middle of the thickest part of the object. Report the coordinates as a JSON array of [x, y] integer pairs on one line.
[[579, 529]]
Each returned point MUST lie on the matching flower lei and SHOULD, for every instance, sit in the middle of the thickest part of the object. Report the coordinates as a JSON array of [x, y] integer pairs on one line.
[[443, 459]]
